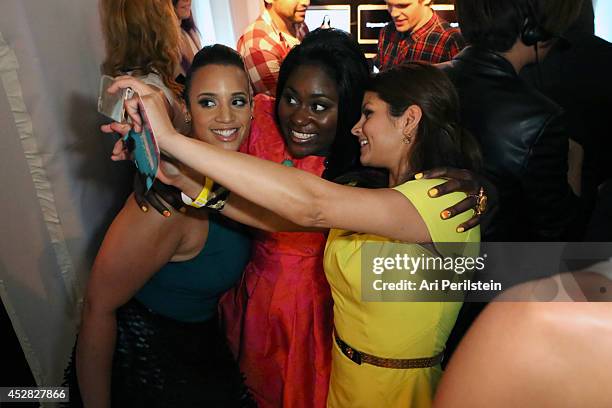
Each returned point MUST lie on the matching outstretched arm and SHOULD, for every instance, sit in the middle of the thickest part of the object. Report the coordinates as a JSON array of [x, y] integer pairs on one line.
[[300, 197]]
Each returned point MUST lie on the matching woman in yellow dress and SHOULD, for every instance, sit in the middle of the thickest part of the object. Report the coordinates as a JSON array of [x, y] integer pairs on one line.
[[386, 354]]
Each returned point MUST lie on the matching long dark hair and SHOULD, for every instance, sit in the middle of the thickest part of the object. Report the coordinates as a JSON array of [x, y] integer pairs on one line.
[[440, 141], [337, 53], [495, 24]]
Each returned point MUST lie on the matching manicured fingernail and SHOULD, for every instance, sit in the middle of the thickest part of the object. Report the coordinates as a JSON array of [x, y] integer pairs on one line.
[[445, 214], [418, 176], [460, 229], [166, 213], [433, 192], [144, 208]]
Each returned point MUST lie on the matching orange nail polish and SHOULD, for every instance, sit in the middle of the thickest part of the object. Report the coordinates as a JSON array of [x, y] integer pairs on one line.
[[445, 214], [166, 213], [433, 192], [144, 208], [418, 176], [460, 229]]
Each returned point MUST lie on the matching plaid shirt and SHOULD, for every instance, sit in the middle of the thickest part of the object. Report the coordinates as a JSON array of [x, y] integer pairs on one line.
[[435, 42], [263, 48]]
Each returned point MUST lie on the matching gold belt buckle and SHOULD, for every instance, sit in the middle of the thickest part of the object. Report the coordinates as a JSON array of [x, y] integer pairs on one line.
[[353, 354], [348, 351]]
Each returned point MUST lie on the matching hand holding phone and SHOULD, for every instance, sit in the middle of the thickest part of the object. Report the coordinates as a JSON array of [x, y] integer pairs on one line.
[[145, 151], [111, 105]]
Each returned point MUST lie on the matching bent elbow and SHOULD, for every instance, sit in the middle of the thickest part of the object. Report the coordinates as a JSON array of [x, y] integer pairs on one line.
[[313, 213]]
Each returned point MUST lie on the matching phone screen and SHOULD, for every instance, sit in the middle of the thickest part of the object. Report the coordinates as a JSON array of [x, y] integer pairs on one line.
[[111, 105]]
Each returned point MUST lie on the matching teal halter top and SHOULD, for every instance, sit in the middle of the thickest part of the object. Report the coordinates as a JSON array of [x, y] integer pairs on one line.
[[189, 291]]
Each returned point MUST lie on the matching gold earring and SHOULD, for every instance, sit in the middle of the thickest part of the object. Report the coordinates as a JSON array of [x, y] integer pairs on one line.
[[408, 137]]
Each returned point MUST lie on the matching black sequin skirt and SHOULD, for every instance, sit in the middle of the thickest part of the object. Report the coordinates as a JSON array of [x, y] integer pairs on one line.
[[161, 362]]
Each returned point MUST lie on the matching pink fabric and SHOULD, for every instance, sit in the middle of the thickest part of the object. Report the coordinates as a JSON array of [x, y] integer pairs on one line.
[[279, 318]]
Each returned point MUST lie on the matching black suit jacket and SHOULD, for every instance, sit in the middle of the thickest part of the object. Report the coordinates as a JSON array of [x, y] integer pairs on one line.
[[524, 147]]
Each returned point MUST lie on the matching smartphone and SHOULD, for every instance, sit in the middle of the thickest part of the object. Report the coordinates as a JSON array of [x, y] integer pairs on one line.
[[111, 105], [146, 151]]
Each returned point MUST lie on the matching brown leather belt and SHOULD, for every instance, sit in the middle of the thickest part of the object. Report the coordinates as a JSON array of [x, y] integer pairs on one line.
[[361, 357]]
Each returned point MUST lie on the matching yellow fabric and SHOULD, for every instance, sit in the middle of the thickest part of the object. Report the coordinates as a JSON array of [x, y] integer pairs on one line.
[[389, 329]]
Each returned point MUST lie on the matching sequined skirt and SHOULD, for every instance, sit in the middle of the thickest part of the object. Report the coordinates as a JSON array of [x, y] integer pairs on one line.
[[161, 362]]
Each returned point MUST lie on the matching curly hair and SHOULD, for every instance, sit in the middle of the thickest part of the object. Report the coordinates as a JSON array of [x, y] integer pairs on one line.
[[339, 55], [141, 36]]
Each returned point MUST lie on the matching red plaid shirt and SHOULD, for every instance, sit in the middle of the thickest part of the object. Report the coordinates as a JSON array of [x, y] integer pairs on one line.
[[435, 42], [263, 48]]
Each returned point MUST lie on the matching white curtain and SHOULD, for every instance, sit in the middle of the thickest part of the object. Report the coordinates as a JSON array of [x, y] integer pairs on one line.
[[224, 21], [603, 19], [59, 188]]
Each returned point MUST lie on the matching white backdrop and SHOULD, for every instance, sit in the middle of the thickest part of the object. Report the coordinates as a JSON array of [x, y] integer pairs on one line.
[[59, 189]]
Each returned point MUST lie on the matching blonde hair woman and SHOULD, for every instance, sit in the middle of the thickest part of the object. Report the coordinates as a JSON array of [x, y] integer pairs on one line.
[[190, 38], [142, 39]]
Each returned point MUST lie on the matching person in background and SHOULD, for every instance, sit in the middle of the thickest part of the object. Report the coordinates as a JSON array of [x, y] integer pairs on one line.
[[189, 39], [575, 75], [150, 334], [521, 132], [141, 39], [265, 43], [416, 33]]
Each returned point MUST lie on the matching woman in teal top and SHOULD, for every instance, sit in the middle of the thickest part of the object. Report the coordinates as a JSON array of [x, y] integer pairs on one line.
[[149, 323], [181, 291]]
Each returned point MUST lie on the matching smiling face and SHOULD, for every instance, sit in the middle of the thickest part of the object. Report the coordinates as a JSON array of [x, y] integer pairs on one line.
[[308, 111], [407, 14], [381, 136], [183, 9], [220, 105]]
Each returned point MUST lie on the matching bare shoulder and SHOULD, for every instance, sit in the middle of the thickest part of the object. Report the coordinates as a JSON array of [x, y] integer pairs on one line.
[[180, 233], [532, 355]]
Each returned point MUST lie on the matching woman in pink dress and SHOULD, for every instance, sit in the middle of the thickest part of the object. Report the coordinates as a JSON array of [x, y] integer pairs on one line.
[[279, 319]]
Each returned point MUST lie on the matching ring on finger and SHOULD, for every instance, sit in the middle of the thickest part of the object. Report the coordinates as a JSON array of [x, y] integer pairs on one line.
[[482, 200]]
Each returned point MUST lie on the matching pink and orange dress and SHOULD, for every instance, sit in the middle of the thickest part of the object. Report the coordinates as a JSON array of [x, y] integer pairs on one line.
[[278, 320]]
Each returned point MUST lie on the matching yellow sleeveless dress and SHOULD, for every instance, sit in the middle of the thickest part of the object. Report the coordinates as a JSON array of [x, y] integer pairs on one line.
[[398, 330]]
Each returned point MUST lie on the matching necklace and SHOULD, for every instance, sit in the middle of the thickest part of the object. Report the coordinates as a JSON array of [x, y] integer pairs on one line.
[[287, 162]]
